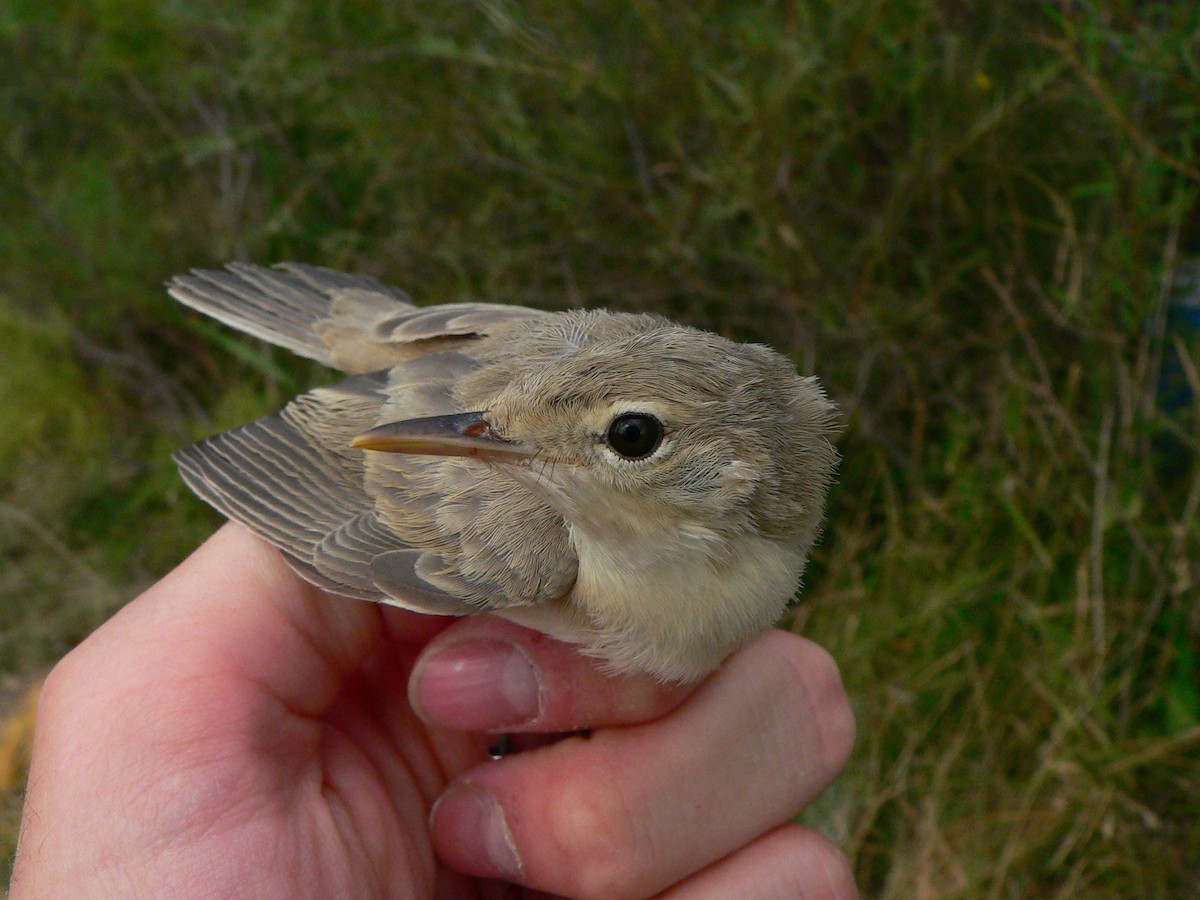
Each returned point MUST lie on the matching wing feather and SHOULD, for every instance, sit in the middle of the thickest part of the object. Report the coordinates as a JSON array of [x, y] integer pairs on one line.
[[345, 518], [350, 322]]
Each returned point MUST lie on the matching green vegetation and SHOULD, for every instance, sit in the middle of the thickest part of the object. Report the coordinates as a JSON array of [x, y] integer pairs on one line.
[[962, 216]]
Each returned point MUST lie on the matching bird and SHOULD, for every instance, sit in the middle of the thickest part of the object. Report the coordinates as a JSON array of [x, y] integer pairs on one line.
[[643, 489]]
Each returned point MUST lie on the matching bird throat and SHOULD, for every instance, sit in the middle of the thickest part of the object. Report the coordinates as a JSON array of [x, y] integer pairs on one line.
[[681, 606]]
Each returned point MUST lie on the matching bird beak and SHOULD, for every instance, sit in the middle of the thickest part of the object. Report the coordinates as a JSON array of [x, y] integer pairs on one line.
[[462, 434]]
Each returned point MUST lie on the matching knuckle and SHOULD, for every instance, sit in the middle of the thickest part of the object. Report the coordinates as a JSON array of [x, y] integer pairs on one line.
[[827, 871], [62, 683], [596, 839], [814, 672], [58, 701], [835, 721]]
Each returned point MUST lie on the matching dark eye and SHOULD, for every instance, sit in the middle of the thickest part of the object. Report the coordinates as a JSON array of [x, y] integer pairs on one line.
[[635, 435]]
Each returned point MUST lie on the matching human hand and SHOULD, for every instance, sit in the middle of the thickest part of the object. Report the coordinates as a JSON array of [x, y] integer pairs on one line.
[[236, 732]]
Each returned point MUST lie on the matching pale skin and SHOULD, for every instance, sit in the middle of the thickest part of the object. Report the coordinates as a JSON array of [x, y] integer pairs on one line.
[[235, 732]]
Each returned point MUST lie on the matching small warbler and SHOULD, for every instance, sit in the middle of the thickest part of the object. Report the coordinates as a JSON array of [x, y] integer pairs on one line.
[[646, 490]]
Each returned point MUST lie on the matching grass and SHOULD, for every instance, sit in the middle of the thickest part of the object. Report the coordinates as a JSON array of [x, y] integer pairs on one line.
[[964, 217]]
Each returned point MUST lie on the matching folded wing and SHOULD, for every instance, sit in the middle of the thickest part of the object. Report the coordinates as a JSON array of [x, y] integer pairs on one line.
[[349, 322], [436, 535]]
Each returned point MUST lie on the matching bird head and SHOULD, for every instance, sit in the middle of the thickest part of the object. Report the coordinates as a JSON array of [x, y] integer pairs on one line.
[[632, 424]]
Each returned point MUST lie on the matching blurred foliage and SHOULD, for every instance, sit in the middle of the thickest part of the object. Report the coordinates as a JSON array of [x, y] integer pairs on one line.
[[963, 216]]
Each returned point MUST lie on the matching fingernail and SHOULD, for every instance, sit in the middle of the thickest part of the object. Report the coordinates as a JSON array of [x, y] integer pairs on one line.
[[472, 834], [476, 686]]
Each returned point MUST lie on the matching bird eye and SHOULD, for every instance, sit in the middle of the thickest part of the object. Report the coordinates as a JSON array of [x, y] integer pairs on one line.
[[634, 435]]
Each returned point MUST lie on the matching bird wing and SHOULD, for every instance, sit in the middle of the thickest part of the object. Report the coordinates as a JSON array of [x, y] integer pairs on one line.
[[349, 322], [436, 535]]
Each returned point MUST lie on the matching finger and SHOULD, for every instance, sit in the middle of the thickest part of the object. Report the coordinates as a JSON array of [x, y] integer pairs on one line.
[[789, 863], [204, 669], [632, 810], [234, 609], [488, 674]]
